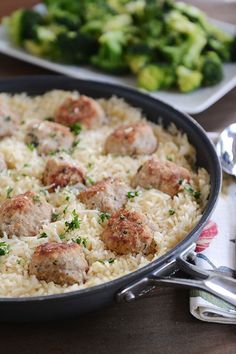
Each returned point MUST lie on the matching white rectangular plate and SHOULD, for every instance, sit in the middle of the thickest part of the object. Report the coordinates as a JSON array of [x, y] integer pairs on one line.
[[194, 102]]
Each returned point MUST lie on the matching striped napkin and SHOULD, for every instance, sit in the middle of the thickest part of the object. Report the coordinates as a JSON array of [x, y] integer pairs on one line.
[[217, 250]]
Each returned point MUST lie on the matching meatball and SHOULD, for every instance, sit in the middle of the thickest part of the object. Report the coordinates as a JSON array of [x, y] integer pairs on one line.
[[133, 139], [83, 110], [162, 175], [48, 137], [24, 215], [3, 165], [128, 232], [107, 195], [60, 173], [62, 263], [8, 121]]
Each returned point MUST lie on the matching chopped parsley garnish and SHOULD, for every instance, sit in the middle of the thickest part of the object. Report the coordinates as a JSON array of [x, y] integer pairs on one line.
[[90, 165], [132, 194], [81, 241], [180, 181], [89, 180], [31, 146], [67, 198], [111, 260], [101, 261], [36, 198], [52, 153], [55, 216], [171, 212], [4, 248], [43, 235], [74, 223], [50, 119], [26, 165], [197, 195], [169, 158], [190, 190], [104, 216], [65, 210], [43, 191], [75, 143], [62, 235], [76, 128], [9, 192]]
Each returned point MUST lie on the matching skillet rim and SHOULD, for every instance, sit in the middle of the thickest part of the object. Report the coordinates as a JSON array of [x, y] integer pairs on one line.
[[32, 80]]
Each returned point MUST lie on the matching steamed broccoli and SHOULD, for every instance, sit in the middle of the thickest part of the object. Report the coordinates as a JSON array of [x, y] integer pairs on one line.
[[188, 80], [64, 18], [163, 42], [155, 76], [193, 44], [211, 69], [74, 47], [217, 40], [44, 40], [138, 55], [71, 6], [21, 25], [233, 50], [110, 56]]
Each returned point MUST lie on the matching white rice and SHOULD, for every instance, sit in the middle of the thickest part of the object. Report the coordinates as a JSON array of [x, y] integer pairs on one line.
[[25, 171]]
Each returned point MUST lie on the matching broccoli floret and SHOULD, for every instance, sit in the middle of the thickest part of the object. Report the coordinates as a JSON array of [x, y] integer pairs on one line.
[[21, 25], [64, 18], [138, 55], [192, 45], [188, 80], [218, 40], [211, 69], [44, 40], [110, 56], [155, 76], [221, 48], [74, 47], [71, 6], [233, 50], [192, 12]]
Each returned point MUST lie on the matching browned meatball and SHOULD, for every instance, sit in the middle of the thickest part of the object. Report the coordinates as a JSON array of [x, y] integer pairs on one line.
[[107, 195], [128, 232], [60, 173], [61, 263], [162, 175], [24, 215], [84, 110], [3, 165], [132, 139], [48, 137]]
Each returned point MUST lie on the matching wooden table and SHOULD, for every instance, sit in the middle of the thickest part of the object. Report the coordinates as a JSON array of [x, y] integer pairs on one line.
[[160, 324]]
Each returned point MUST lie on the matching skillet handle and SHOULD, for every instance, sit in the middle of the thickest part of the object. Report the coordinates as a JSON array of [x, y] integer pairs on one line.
[[213, 282]]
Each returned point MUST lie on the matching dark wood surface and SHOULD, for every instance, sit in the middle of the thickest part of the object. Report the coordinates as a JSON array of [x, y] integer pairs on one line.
[[160, 324]]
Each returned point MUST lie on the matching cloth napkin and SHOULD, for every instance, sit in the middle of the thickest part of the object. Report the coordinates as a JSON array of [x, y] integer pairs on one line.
[[216, 249]]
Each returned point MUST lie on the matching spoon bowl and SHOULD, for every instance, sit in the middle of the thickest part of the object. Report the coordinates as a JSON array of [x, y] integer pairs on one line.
[[226, 149]]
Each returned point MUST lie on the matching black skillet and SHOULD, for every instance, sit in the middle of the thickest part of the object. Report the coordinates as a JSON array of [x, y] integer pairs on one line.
[[161, 271]]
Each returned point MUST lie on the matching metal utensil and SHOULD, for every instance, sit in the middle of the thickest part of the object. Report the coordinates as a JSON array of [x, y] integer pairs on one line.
[[226, 149]]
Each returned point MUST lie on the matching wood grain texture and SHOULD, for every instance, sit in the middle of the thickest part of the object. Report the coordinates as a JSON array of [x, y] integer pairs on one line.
[[160, 324]]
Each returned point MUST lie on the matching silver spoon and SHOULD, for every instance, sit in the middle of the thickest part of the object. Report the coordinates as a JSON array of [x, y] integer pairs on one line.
[[226, 149]]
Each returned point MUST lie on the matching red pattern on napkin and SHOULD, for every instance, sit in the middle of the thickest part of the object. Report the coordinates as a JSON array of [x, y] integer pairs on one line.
[[208, 233]]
